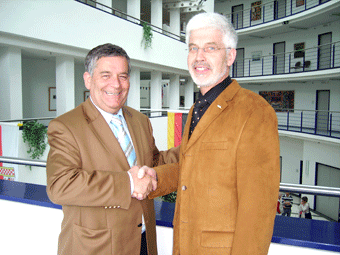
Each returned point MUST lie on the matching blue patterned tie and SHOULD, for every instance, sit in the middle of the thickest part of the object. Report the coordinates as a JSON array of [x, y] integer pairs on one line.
[[116, 125]]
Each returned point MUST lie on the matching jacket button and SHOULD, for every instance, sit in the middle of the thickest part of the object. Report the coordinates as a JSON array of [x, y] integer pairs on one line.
[[184, 187]]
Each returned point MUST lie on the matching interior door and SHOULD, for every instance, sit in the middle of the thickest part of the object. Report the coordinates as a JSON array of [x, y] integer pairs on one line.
[[322, 111], [325, 51], [279, 58], [238, 66], [237, 16], [279, 9]]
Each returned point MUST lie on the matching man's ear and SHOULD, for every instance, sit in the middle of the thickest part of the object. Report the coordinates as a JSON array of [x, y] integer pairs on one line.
[[231, 57], [87, 80]]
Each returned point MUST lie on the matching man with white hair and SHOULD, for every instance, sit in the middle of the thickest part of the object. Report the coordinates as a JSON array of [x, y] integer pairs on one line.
[[227, 179]]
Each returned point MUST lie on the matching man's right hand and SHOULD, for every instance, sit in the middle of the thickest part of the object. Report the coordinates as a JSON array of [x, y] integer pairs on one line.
[[143, 182]]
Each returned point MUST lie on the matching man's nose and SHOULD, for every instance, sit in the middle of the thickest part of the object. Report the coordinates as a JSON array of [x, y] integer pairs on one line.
[[200, 53], [115, 82]]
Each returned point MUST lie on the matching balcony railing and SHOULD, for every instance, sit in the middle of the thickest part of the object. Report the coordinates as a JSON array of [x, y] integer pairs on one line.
[[324, 123], [263, 13], [297, 189], [323, 57], [122, 15]]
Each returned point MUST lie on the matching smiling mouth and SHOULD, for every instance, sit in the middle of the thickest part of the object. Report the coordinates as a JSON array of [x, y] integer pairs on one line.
[[112, 94], [201, 68]]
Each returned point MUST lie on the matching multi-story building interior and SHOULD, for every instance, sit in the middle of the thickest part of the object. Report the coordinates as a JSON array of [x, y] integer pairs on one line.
[[288, 52]]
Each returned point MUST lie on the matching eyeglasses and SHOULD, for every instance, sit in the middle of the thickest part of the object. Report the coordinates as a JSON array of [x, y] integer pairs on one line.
[[207, 49]]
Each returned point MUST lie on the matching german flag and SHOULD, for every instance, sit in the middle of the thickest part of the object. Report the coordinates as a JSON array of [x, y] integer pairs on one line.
[[0, 143], [176, 123]]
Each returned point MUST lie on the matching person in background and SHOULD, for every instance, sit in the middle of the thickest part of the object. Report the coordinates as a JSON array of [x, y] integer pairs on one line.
[[228, 176], [287, 203], [92, 165], [279, 206], [304, 210]]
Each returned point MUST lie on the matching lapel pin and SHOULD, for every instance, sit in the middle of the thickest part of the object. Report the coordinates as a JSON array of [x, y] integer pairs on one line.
[[219, 106]]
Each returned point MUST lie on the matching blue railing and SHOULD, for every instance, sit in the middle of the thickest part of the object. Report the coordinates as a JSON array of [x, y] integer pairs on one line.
[[324, 123], [323, 57], [263, 13]]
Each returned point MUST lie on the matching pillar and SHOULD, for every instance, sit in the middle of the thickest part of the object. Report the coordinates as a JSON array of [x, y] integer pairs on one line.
[[65, 85], [105, 5], [133, 9], [157, 13], [174, 92], [189, 94], [11, 84], [156, 92], [133, 99], [175, 22]]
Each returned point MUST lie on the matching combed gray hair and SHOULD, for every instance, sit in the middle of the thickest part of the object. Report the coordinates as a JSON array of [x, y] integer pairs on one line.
[[105, 50], [213, 20]]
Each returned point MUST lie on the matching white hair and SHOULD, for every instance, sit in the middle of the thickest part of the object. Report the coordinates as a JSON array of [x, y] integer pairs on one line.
[[213, 20]]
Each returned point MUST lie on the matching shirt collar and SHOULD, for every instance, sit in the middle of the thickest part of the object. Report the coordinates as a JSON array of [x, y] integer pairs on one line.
[[214, 92], [107, 116]]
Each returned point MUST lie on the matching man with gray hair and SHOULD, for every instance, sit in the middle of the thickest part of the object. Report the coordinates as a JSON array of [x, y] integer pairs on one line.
[[227, 179]]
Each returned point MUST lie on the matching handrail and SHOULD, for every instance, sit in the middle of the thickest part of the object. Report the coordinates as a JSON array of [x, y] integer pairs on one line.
[[132, 19], [306, 189], [23, 161], [28, 119], [286, 53], [287, 63], [304, 110], [269, 17]]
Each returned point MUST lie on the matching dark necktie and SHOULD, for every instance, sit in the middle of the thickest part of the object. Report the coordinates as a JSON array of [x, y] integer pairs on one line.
[[197, 114]]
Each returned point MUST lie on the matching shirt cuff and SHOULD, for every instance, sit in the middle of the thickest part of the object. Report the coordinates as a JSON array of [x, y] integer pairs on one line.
[[132, 185]]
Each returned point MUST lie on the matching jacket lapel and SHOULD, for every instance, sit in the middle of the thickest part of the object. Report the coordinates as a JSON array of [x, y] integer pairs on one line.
[[215, 109], [104, 134]]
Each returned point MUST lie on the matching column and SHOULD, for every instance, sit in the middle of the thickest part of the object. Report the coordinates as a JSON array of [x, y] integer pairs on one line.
[[65, 85], [105, 5], [156, 92], [133, 9], [175, 22], [189, 94], [174, 92], [157, 13], [11, 84], [133, 99]]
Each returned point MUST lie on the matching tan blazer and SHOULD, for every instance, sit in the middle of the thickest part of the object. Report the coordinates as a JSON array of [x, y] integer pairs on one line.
[[227, 178], [87, 175]]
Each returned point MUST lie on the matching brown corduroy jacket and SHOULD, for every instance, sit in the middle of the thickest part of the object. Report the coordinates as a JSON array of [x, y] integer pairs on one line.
[[227, 179]]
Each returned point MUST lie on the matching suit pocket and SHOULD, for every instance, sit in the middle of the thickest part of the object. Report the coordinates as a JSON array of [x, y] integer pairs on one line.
[[217, 239], [91, 242], [221, 145]]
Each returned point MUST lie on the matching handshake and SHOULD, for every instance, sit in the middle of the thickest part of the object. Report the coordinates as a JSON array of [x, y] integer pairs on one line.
[[145, 181]]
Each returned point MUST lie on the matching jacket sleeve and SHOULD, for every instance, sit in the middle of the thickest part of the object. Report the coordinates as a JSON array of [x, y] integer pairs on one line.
[[167, 180], [69, 182], [258, 180]]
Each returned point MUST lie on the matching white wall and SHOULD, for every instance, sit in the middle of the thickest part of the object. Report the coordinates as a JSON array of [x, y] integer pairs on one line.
[[73, 24], [291, 151], [38, 75]]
